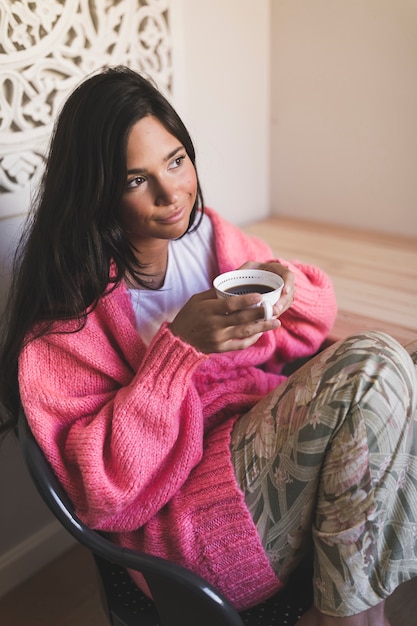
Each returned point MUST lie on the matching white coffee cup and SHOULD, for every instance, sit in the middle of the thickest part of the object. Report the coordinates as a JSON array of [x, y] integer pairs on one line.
[[241, 282]]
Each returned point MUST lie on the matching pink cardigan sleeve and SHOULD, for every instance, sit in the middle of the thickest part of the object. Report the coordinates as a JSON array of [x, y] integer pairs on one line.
[[121, 438]]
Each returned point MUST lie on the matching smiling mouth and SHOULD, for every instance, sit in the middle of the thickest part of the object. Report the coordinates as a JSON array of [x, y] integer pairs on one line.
[[176, 216]]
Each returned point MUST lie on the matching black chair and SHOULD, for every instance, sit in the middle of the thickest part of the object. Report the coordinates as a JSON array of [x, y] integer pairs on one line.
[[180, 598]]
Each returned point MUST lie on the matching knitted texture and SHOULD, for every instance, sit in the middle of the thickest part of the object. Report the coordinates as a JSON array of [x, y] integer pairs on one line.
[[139, 435]]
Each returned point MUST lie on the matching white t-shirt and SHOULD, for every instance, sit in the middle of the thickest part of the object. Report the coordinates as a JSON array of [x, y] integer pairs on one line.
[[191, 268]]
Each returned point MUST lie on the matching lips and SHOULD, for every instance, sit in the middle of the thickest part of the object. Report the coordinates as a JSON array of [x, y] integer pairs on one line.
[[173, 217]]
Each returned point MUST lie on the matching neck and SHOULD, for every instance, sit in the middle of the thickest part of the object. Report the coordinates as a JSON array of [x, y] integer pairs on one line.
[[153, 259]]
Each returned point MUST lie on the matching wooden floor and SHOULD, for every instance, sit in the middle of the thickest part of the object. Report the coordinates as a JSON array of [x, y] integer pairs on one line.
[[374, 274], [375, 279]]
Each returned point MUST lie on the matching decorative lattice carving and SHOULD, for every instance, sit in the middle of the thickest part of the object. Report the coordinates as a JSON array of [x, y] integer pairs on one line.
[[48, 46]]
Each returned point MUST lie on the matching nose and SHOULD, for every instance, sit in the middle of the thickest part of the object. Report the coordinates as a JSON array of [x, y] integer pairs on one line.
[[165, 192]]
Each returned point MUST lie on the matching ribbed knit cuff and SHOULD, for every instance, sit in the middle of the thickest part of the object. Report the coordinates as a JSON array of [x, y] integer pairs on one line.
[[173, 362]]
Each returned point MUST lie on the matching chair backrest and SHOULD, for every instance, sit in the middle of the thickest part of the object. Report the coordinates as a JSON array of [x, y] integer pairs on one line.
[[180, 596]]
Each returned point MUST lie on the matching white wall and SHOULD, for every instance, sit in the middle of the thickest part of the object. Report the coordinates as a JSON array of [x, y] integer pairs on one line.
[[344, 102], [222, 91]]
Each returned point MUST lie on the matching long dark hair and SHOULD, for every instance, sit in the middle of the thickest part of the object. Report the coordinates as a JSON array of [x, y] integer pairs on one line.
[[72, 246]]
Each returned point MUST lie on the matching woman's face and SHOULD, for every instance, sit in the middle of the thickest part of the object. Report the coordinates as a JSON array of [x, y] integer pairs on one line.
[[161, 185]]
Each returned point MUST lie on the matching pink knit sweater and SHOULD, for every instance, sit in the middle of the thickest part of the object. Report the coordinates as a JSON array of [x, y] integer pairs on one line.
[[139, 436]]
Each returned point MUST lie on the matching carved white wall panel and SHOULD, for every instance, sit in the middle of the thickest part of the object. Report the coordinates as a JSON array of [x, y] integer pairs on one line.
[[47, 47]]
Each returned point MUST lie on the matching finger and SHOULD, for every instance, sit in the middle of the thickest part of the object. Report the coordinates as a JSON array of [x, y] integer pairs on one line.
[[250, 265], [247, 315], [289, 279], [289, 287], [285, 301], [241, 337], [241, 344], [241, 303], [249, 329]]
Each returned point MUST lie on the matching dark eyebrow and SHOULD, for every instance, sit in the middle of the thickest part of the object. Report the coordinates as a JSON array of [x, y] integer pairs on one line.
[[168, 157]]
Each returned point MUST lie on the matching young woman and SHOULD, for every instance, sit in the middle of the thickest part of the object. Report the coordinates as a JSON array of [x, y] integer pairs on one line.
[[164, 411]]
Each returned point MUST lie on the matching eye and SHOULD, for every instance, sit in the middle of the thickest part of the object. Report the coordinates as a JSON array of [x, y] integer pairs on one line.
[[135, 182], [177, 162]]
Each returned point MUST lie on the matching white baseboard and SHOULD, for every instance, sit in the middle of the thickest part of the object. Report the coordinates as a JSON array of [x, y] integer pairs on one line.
[[27, 557]]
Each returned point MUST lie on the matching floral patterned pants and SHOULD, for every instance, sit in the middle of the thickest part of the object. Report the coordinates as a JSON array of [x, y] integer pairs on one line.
[[330, 457]]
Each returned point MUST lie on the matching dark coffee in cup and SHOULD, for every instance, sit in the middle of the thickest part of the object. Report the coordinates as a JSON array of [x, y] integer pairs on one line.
[[251, 280], [240, 290]]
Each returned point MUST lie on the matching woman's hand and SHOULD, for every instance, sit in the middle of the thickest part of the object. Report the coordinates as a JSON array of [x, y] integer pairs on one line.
[[288, 291], [212, 324]]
